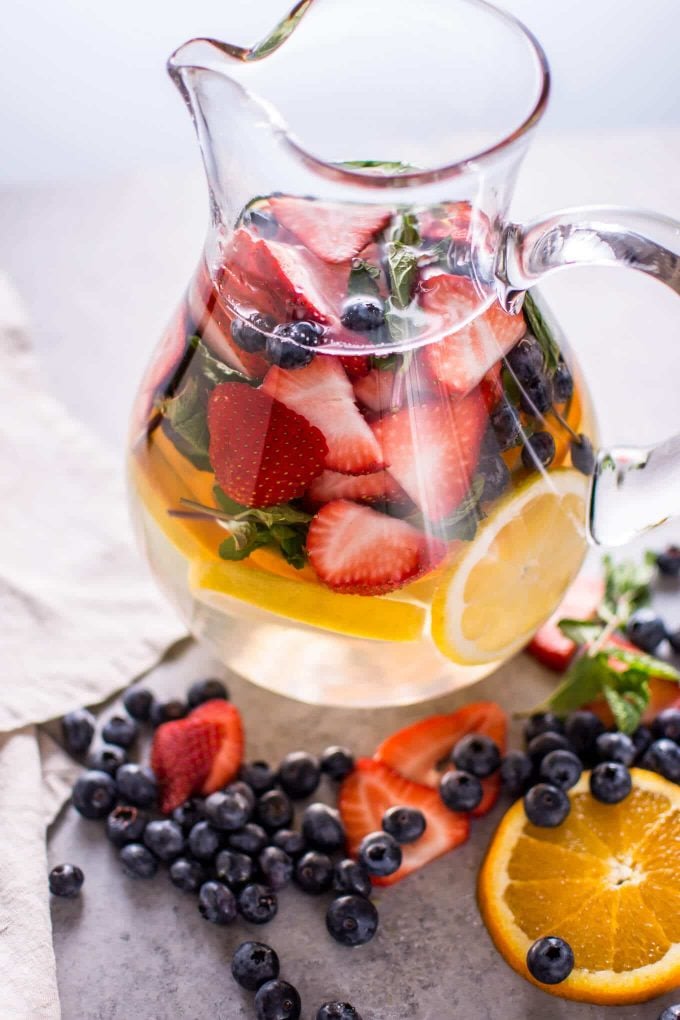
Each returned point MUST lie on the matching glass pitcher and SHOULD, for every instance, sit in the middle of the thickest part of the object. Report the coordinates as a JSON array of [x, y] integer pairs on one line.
[[363, 461]]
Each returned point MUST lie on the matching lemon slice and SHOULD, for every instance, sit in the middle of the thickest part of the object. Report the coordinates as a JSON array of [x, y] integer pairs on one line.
[[607, 881], [513, 574]]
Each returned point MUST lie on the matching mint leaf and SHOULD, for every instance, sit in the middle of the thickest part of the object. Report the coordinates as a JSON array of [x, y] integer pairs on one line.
[[627, 587], [542, 332], [646, 665], [386, 362], [185, 415], [243, 540], [584, 681], [463, 522], [379, 165], [362, 279], [403, 267], [206, 366], [581, 632], [627, 708], [282, 526]]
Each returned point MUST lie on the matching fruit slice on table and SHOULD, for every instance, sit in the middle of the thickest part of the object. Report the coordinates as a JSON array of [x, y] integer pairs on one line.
[[549, 645], [333, 232], [421, 752], [217, 583], [505, 583], [198, 754], [607, 881], [367, 794]]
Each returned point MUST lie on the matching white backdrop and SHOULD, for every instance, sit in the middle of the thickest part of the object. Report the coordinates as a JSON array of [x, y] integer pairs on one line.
[[84, 94]]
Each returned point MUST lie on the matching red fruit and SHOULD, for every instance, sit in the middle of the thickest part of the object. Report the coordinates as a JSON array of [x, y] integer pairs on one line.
[[549, 645], [322, 393], [261, 451], [162, 370], [375, 488], [418, 751], [356, 550], [198, 754], [333, 232], [355, 365], [371, 789], [432, 451], [455, 223], [376, 390], [459, 361]]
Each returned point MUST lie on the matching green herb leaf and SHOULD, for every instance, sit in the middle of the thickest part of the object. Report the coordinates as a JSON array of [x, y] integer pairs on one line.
[[584, 681], [645, 665], [627, 587], [383, 166], [403, 266], [244, 539], [463, 522], [362, 278], [627, 708], [206, 366], [542, 332], [185, 415], [386, 362], [282, 526], [581, 632]]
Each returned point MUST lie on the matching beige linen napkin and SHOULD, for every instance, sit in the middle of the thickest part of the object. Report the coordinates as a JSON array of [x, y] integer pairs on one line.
[[80, 620]]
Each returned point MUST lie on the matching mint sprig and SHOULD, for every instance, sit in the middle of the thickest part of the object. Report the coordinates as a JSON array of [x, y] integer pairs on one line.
[[402, 264], [541, 330], [363, 278]]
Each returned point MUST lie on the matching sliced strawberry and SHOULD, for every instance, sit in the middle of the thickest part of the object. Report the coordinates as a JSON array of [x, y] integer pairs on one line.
[[261, 451], [355, 365], [549, 645], [379, 487], [459, 361], [386, 390], [432, 451], [356, 550], [198, 754], [333, 232], [447, 220], [421, 752], [323, 394], [376, 390], [371, 789], [162, 372]]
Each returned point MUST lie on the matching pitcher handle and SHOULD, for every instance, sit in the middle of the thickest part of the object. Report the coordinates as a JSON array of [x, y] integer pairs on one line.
[[633, 488]]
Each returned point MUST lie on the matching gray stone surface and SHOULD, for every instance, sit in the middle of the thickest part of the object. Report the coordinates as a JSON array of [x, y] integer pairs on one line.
[[134, 950]]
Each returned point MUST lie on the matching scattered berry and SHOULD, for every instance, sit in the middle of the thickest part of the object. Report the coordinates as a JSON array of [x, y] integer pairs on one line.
[[238, 786], [262, 221], [516, 772], [299, 774], [274, 810], [546, 806], [582, 728], [646, 630], [233, 868], [119, 730], [322, 828], [216, 903], [189, 813], [506, 426], [77, 729], [405, 824], [277, 1000], [671, 1013], [292, 344], [663, 756], [476, 754], [107, 758], [125, 825], [137, 785], [460, 791], [563, 384], [94, 794], [337, 1011], [251, 839], [561, 768], [496, 475], [380, 853], [257, 904], [187, 875], [364, 315], [674, 641], [352, 920], [351, 877], [610, 782], [525, 360], [203, 841], [538, 451], [667, 724], [616, 747], [642, 738], [337, 762], [314, 872], [550, 960], [228, 810], [254, 963], [542, 722], [251, 335], [166, 711], [138, 861], [668, 561], [164, 838], [138, 702], [536, 396], [276, 867], [544, 743], [258, 775], [66, 880], [206, 690], [582, 455], [292, 843]]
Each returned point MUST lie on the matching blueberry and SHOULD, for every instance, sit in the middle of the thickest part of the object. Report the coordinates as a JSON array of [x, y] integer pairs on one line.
[[460, 791], [138, 861], [322, 828], [563, 384], [164, 838], [292, 344], [582, 728], [94, 794], [337, 1011], [274, 810], [251, 334], [663, 756], [615, 747], [228, 810], [299, 774], [276, 867], [671, 1013], [125, 825], [674, 639], [496, 475], [189, 813], [561, 768], [364, 315], [262, 220], [550, 960], [257, 904], [542, 722], [203, 841], [107, 758], [77, 729], [187, 875], [525, 360], [476, 754], [206, 690], [254, 963], [404, 823], [314, 872], [646, 630], [238, 786], [536, 396], [516, 772], [251, 839], [137, 785], [258, 775], [216, 903], [233, 868], [352, 920], [380, 854], [582, 454], [277, 1000], [544, 743], [667, 724], [668, 561], [351, 877], [337, 762], [642, 738], [166, 711], [610, 782], [66, 880], [538, 451], [506, 427], [546, 806], [138, 702], [119, 730]]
